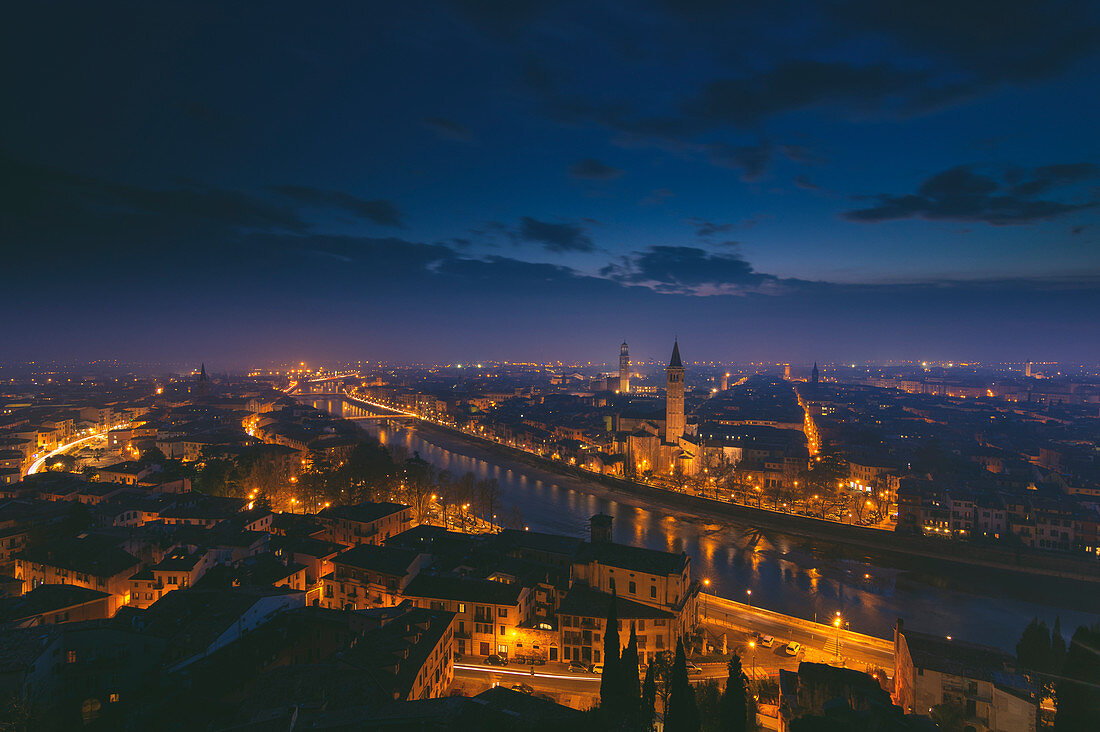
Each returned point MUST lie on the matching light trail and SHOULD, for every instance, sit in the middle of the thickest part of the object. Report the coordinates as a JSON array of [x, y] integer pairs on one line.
[[37, 464], [527, 674]]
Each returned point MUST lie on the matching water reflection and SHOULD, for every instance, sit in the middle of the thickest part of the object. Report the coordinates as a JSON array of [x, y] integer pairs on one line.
[[784, 573]]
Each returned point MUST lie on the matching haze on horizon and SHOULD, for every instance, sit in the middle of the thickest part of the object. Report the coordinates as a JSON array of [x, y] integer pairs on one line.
[[456, 180]]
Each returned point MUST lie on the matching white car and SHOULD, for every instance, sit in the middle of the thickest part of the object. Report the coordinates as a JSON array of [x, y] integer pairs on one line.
[[793, 648], [766, 641]]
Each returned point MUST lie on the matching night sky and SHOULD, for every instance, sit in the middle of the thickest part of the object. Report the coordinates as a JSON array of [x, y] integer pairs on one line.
[[240, 182]]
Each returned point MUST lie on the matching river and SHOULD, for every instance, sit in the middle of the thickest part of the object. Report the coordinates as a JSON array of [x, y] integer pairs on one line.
[[787, 574]]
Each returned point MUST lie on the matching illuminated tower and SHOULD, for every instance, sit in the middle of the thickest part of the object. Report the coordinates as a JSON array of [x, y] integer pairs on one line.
[[726, 381], [1027, 371], [624, 369], [674, 397], [787, 371]]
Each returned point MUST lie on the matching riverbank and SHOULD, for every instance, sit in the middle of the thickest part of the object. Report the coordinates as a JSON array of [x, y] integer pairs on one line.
[[1025, 562]]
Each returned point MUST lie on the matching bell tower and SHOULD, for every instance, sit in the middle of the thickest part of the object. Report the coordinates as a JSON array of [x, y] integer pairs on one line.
[[624, 369], [674, 397]]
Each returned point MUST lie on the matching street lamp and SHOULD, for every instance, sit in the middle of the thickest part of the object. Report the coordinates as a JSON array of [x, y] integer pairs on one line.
[[752, 645], [836, 623], [749, 593]]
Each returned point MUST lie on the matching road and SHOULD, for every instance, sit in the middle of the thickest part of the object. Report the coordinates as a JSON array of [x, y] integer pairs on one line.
[[741, 622], [37, 464]]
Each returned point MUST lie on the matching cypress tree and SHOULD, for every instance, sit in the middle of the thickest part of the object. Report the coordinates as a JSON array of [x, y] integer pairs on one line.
[[628, 676], [733, 712], [682, 714], [610, 684], [1057, 647], [648, 711], [1033, 649], [1078, 698]]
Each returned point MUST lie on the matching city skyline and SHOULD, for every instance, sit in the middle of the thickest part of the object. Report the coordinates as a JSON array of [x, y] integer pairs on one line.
[[481, 180]]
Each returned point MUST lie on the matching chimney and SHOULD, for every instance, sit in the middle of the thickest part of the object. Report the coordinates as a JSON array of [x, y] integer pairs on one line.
[[600, 528]]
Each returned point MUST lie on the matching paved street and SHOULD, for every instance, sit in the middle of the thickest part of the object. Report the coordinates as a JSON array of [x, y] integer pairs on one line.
[[819, 642]]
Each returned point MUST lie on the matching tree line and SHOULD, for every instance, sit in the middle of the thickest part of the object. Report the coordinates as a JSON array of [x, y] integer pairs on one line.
[[1070, 675], [629, 703], [368, 472]]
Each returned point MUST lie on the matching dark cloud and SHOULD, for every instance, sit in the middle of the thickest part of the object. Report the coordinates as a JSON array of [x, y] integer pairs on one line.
[[377, 211], [801, 154], [592, 169], [1047, 177], [745, 102], [707, 229], [53, 200], [448, 129], [689, 271], [805, 183], [656, 197], [960, 194], [556, 237], [996, 41], [497, 17], [751, 159]]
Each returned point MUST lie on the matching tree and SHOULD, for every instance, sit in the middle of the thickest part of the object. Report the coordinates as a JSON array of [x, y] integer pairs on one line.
[[949, 716], [1033, 649], [628, 678], [610, 688], [682, 715], [733, 713], [1079, 688], [488, 497], [647, 712], [1057, 647]]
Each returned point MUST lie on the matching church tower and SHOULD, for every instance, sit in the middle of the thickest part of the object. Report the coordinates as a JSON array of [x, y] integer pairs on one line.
[[203, 387], [814, 375], [674, 397], [624, 369]]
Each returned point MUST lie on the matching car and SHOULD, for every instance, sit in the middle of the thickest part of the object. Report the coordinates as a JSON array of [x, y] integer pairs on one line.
[[578, 666], [523, 688], [793, 648], [693, 669], [765, 641], [496, 660], [598, 669]]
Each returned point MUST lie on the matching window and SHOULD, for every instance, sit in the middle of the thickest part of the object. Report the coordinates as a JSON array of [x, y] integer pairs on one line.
[[114, 697], [633, 588], [653, 591], [611, 583], [502, 630], [462, 607], [70, 657], [502, 648], [502, 612]]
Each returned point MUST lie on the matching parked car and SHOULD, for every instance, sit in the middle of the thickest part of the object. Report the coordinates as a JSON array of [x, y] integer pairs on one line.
[[693, 669], [598, 669], [523, 688], [578, 666], [793, 648], [765, 641], [495, 660]]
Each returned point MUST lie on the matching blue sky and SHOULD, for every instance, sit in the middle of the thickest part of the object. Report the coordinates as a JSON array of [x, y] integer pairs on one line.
[[477, 179]]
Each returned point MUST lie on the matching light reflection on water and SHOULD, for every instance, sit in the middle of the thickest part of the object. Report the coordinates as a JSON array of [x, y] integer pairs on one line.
[[784, 573]]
